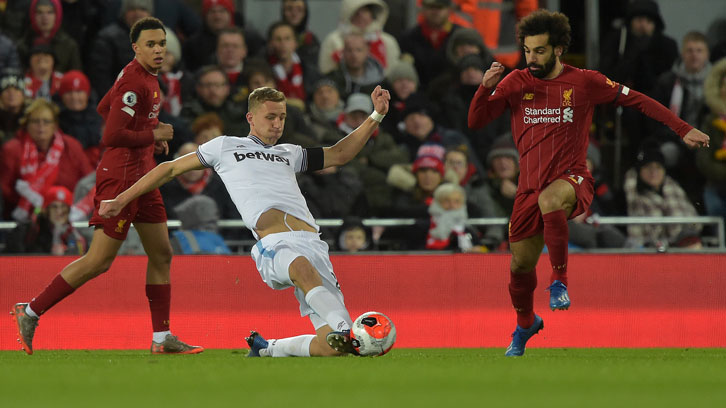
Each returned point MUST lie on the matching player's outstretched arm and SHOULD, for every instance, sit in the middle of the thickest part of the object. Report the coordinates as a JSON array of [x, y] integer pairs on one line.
[[161, 174], [347, 147], [481, 109]]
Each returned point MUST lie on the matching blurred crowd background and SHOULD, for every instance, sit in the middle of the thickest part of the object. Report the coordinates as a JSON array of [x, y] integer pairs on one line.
[[59, 57]]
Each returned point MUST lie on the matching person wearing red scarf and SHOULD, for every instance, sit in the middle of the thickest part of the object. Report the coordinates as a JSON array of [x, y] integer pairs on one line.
[[32, 161], [285, 62]]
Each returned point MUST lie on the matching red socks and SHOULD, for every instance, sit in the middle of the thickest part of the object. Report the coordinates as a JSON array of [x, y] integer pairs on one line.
[[556, 237], [159, 304], [521, 290], [56, 291]]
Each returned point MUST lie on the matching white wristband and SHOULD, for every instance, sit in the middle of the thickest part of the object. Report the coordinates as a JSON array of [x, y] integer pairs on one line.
[[377, 116]]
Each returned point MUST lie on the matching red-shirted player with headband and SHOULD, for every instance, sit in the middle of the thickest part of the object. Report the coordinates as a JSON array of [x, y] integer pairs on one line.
[[552, 106], [131, 136]]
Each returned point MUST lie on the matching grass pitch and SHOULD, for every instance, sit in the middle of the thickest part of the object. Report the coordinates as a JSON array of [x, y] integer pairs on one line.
[[404, 378]]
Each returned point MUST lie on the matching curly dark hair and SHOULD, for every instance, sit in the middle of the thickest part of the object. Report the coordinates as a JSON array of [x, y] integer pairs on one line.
[[554, 23]]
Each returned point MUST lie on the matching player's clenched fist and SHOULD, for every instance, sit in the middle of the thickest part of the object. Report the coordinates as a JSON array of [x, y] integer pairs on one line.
[[492, 75], [110, 208], [163, 132]]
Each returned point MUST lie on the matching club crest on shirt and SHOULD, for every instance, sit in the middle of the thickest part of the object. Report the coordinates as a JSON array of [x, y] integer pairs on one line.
[[129, 98], [567, 97]]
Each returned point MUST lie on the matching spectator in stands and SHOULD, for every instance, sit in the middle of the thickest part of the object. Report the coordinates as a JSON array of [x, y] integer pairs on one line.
[[404, 85], [14, 18], [463, 42], [178, 82], [198, 182], [212, 95], [8, 54], [681, 89], [358, 71], [333, 192], [638, 52], [182, 129], [427, 41], [176, 15], [216, 15], [12, 102], [231, 53], [651, 193], [324, 110], [711, 161], [420, 128], [453, 107], [50, 231], [353, 236], [428, 170], [496, 197], [32, 161], [82, 20], [112, 49], [42, 80], [296, 13], [585, 229], [366, 18], [375, 158], [78, 117], [448, 229], [45, 19], [199, 230], [206, 127], [293, 76]]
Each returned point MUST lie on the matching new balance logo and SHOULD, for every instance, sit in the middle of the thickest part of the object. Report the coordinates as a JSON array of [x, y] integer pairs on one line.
[[567, 115], [261, 156]]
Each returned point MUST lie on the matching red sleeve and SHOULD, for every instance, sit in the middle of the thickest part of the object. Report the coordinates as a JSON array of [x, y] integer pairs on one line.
[[119, 116], [604, 90], [485, 107]]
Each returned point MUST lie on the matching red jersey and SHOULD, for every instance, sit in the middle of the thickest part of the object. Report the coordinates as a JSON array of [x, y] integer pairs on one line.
[[551, 118], [130, 109]]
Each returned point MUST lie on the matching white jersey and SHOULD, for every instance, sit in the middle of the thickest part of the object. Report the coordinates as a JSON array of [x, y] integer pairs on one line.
[[259, 177]]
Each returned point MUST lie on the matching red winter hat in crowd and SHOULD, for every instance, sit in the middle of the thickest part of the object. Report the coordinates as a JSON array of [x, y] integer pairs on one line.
[[428, 162], [74, 81], [57, 193], [207, 4]]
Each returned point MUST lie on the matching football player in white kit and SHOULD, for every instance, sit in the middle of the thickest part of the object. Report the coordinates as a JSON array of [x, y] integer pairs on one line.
[[260, 178]]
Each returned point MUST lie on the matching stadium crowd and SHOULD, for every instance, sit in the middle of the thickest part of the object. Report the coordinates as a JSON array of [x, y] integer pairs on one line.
[[59, 57]]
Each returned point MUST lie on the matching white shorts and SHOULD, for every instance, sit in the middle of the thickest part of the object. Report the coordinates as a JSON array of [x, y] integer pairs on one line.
[[274, 253]]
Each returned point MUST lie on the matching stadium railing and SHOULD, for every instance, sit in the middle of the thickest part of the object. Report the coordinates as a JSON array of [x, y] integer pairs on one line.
[[717, 242]]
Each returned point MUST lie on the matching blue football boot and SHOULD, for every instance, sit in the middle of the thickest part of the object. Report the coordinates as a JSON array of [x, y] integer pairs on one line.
[[559, 299], [256, 343], [520, 337]]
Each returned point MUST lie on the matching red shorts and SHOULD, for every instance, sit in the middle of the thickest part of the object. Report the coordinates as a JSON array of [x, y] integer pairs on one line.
[[526, 220], [147, 208]]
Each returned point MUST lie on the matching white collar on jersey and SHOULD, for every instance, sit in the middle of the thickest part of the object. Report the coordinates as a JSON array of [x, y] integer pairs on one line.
[[258, 140]]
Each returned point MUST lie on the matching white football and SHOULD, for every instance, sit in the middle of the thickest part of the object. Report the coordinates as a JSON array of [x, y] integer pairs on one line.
[[375, 334]]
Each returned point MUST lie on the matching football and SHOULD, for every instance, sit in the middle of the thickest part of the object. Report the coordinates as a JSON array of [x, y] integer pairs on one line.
[[375, 334]]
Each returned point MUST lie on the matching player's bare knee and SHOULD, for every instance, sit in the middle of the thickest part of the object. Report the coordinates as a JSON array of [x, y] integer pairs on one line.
[[522, 263], [303, 275], [549, 202], [161, 257]]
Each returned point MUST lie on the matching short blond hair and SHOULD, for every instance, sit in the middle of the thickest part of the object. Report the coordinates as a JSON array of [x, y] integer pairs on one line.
[[38, 104], [261, 95]]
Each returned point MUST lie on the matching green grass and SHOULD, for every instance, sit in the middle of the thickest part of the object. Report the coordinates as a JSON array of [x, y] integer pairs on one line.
[[404, 378]]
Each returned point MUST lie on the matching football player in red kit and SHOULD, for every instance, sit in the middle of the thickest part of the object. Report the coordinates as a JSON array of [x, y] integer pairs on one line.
[[551, 105], [131, 136]]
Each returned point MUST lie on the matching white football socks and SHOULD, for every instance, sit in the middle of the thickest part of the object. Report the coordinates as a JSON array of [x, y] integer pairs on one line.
[[159, 337], [30, 312], [329, 308], [298, 346]]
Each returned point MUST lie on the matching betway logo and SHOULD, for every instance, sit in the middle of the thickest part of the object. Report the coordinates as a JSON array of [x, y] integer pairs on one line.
[[261, 156], [547, 115]]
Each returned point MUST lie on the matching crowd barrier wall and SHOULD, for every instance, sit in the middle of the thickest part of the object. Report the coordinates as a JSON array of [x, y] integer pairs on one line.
[[660, 300]]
